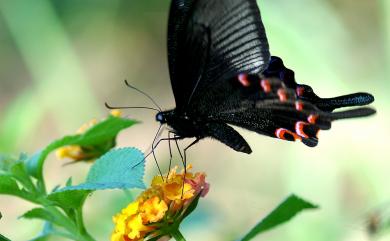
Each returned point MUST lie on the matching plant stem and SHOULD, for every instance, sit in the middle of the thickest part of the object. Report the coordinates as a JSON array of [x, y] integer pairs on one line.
[[177, 235], [80, 224]]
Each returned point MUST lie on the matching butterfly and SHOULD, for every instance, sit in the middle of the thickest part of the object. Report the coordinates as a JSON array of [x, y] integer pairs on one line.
[[223, 75]]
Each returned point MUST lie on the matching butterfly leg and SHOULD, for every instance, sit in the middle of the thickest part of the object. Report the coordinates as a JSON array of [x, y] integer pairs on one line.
[[185, 162], [178, 149], [154, 146], [185, 152], [170, 153], [154, 154]]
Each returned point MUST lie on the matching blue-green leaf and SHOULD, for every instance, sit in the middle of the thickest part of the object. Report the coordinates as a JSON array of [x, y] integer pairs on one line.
[[283, 213], [118, 169], [101, 134]]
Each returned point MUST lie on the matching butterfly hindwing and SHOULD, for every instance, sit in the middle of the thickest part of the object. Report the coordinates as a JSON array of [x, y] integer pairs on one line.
[[226, 135], [268, 107], [276, 69]]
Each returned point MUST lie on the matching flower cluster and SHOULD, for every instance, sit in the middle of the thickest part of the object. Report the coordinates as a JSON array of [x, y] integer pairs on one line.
[[160, 207], [79, 153]]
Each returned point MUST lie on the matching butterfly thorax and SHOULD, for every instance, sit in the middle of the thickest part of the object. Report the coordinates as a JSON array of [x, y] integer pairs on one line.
[[181, 124]]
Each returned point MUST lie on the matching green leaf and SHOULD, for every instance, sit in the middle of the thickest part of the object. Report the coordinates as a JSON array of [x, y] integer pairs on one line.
[[100, 134], [118, 169], [8, 185], [16, 168], [71, 199], [191, 207], [19, 172], [283, 213], [2, 238], [39, 213]]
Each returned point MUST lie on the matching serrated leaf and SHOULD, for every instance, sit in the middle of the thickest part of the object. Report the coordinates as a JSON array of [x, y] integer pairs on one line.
[[104, 131], [118, 169], [39, 213], [283, 213], [71, 199]]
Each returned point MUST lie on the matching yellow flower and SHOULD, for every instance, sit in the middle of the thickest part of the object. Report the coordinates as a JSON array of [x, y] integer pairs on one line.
[[136, 227], [73, 152], [153, 209], [116, 113], [175, 191], [131, 209], [161, 205]]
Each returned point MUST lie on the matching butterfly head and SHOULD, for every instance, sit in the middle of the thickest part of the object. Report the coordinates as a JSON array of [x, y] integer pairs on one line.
[[165, 117], [160, 117]]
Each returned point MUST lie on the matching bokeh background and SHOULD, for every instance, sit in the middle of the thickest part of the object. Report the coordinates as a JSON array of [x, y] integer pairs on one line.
[[61, 60]]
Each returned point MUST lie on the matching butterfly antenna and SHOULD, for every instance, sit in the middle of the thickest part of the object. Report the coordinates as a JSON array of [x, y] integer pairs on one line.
[[129, 107], [140, 91]]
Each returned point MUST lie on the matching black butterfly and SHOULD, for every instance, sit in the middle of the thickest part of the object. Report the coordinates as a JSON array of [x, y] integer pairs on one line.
[[222, 74]]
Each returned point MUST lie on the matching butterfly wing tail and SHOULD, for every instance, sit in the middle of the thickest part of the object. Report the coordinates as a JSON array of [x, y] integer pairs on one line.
[[278, 70], [306, 93], [354, 113]]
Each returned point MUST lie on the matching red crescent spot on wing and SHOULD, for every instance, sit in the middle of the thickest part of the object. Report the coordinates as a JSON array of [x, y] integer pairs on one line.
[[243, 78], [265, 85], [279, 133], [299, 129], [299, 105], [282, 95], [312, 119], [300, 91]]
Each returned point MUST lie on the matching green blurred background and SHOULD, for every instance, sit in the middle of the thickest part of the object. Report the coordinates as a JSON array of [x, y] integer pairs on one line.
[[61, 60]]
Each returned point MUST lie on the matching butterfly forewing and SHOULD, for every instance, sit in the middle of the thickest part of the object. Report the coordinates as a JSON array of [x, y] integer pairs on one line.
[[233, 42]]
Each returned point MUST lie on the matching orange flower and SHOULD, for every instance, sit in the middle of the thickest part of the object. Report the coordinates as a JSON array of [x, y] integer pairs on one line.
[[159, 206], [153, 209]]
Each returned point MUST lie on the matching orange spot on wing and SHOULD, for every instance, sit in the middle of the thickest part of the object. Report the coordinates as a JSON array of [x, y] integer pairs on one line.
[[282, 95], [243, 78], [299, 105], [299, 129], [265, 85], [281, 132], [312, 119]]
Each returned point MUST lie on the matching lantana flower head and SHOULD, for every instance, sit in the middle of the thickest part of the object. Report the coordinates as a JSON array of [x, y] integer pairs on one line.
[[160, 207]]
